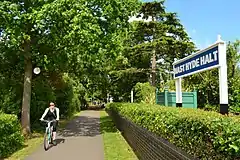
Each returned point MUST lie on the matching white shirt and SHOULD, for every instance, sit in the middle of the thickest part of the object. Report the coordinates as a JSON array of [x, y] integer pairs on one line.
[[46, 111]]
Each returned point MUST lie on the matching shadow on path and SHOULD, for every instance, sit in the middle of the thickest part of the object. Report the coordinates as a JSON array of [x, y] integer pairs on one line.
[[81, 126], [88, 126], [58, 141]]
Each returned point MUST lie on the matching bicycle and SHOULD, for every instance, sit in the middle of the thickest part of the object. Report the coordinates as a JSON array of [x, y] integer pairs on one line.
[[48, 134]]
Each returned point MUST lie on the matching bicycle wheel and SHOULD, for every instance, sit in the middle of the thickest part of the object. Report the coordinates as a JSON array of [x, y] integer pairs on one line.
[[47, 140]]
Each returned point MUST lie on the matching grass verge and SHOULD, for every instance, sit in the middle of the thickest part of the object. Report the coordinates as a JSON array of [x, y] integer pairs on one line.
[[36, 140], [115, 146]]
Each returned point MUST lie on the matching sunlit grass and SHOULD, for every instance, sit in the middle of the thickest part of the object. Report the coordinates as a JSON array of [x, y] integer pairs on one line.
[[115, 146]]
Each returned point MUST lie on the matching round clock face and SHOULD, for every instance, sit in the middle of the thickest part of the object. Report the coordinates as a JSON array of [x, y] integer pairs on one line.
[[36, 70]]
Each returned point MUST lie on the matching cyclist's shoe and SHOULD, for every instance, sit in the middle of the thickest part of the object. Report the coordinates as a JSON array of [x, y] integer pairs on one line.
[[54, 143]]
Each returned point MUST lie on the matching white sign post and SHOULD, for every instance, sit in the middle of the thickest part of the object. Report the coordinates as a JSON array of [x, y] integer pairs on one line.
[[131, 96], [223, 82], [212, 57], [178, 84]]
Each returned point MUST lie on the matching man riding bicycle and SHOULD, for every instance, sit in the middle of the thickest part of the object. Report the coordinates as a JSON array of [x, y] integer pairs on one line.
[[52, 113]]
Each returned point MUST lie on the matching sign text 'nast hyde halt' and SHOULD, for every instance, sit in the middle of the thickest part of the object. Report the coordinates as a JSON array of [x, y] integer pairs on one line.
[[197, 62]]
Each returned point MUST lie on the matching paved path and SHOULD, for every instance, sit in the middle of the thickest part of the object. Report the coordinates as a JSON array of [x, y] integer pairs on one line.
[[80, 140]]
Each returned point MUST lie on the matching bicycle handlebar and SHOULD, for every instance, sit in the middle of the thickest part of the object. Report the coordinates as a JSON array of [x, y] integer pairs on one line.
[[48, 121]]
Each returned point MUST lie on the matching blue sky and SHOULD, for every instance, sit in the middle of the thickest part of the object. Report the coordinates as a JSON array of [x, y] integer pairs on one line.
[[205, 19]]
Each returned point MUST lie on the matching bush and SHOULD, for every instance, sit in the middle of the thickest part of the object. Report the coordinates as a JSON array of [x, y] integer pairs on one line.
[[67, 96], [144, 93], [209, 107], [9, 102], [11, 138], [206, 135]]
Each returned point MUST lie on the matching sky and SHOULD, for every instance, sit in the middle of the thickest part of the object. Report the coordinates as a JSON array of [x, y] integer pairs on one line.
[[204, 20]]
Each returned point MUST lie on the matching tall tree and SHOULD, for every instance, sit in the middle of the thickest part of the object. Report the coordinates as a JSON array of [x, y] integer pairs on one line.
[[159, 37], [145, 41], [154, 11], [59, 35]]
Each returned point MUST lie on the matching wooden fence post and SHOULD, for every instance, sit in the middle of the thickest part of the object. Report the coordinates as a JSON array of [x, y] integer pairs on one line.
[[166, 97], [195, 98]]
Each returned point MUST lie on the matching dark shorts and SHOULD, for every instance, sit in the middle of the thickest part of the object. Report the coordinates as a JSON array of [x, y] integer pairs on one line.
[[55, 125]]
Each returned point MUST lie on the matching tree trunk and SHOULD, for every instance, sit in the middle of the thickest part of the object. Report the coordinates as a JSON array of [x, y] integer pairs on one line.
[[154, 68], [25, 118], [154, 63]]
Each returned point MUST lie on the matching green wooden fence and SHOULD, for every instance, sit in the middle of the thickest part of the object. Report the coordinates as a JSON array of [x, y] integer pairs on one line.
[[166, 98]]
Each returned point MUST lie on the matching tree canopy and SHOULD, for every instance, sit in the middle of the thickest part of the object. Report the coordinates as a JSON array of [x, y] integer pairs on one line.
[[160, 39], [63, 36]]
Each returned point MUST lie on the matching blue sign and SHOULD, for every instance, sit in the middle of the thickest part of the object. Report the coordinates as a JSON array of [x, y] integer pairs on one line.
[[197, 63]]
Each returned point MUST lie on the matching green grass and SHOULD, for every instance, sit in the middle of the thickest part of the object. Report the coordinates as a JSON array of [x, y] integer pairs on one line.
[[115, 146], [35, 141]]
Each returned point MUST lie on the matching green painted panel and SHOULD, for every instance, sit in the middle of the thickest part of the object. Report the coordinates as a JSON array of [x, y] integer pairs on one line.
[[160, 98], [189, 99], [171, 99]]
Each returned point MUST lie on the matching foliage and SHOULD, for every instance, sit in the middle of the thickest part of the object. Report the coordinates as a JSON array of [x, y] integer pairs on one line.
[[75, 37], [11, 138], [67, 96], [233, 59], [206, 135], [164, 35], [209, 107], [144, 93]]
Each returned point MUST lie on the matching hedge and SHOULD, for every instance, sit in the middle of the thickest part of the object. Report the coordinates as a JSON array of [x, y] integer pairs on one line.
[[205, 135], [11, 138]]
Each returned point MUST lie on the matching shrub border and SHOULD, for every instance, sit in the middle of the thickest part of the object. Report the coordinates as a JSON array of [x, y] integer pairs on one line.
[[145, 144]]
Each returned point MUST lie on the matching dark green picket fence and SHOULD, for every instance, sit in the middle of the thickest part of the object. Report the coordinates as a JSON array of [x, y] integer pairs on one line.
[[166, 98]]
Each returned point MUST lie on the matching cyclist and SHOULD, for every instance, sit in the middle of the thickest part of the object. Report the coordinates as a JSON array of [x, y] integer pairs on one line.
[[52, 113]]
